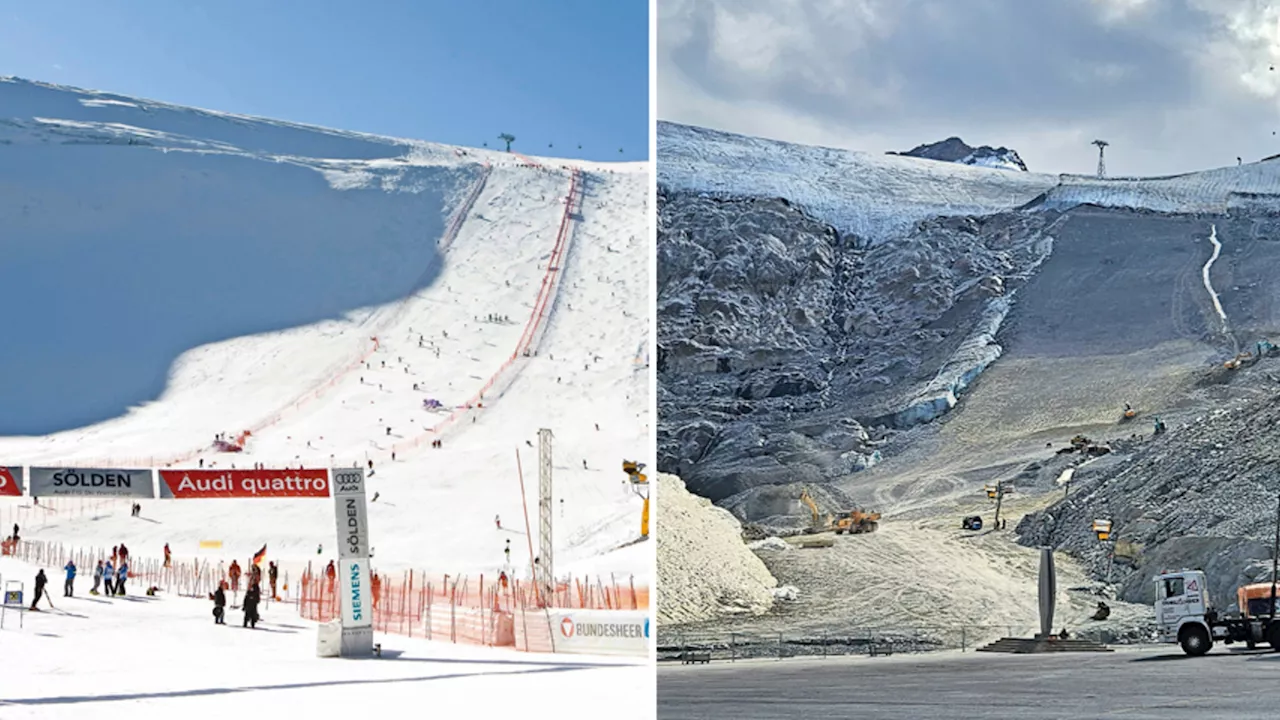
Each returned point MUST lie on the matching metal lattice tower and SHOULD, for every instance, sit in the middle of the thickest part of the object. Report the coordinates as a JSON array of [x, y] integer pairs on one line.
[[1102, 161], [545, 510]]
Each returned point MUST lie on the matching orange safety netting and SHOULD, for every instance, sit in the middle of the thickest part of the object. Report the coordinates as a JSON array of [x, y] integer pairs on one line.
[[470, 610]]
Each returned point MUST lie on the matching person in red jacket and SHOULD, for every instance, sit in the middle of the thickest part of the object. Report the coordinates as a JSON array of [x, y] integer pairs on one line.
[[234, 573]]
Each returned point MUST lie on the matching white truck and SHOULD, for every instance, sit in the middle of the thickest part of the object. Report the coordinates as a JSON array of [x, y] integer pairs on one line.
[[1185, 616]]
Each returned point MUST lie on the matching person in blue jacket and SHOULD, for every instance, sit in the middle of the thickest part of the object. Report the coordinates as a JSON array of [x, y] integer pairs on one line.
[[71, 578], [109, 578], [122, 574]]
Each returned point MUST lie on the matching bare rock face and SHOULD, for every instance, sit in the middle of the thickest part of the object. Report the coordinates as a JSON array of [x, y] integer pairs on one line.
[[953, 149], [788, 352], [705, 570], [1202, 496]]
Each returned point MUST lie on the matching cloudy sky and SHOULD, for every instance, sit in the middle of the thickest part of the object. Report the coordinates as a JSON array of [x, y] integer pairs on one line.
[[1173, 85]]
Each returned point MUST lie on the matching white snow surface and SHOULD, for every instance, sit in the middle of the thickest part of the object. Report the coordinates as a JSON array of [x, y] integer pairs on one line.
[[876, 197], [167, 659], [881, 197], [390, 201]]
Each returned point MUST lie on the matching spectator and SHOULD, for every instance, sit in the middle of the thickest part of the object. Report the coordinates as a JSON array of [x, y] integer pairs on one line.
[[109, 578], [70, 569]]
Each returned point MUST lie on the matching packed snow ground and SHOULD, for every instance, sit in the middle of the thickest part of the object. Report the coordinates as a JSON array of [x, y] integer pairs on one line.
[[163, 657], [394, 277]]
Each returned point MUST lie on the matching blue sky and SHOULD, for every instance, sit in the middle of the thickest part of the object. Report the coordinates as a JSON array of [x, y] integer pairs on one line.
[[568, 72]]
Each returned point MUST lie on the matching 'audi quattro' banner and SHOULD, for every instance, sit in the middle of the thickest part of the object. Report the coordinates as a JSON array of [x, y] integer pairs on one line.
[[54, 482], [10, 481], [184, 484]]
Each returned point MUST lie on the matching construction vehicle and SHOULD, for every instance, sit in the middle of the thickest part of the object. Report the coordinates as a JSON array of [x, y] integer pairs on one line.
[[1186, 616], [1261, 349], [815, 524], [1254, 600], [853, 522], [857, 521], [973, 522]]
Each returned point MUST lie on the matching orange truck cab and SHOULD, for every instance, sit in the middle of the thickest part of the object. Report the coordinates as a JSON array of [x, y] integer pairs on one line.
[[1254, 599]]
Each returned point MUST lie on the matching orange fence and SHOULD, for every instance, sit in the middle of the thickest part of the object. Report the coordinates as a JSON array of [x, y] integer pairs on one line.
[[447, 608], [473, 611]]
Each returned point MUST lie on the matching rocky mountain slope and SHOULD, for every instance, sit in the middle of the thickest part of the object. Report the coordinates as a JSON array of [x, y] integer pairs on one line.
[[787, 350], [955, 150], [825, 325], [1204, 496]]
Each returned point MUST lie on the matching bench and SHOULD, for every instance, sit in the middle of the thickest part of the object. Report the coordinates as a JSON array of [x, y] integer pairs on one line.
[[689, 658], [881, 649]]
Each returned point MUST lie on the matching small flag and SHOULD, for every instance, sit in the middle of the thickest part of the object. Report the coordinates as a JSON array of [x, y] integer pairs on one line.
[[259, 556]]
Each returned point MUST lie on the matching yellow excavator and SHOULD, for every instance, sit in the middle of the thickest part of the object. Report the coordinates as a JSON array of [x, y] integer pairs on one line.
[[854, 522], [815, 525]]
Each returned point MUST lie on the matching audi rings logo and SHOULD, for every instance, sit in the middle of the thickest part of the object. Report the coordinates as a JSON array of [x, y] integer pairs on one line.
[[566, 627]]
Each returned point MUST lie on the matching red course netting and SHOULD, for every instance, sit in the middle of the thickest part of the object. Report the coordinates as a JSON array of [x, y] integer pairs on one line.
[[475, 611], [532, 328]]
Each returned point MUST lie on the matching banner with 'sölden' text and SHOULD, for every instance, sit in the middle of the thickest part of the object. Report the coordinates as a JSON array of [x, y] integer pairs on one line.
[[90, 482]]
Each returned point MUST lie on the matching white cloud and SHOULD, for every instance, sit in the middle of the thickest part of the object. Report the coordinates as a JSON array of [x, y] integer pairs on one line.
[[1175, 85]]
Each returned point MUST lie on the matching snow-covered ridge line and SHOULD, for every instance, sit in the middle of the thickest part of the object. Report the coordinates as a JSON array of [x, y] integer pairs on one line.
[[881, 197]]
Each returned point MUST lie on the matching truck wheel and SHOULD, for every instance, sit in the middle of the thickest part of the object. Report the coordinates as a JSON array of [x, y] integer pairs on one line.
[[1273, 635], [1194, 640]]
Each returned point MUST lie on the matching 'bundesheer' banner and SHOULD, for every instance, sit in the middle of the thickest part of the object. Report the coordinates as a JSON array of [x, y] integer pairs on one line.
[[184, 484], [54, 482], [10, 481]]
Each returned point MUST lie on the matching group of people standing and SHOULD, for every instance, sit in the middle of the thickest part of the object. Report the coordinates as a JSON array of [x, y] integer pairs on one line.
[[107, 575], [252, 595]]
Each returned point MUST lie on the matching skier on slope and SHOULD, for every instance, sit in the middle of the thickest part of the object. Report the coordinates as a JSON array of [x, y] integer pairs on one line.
[[234, 574], [41, 581], [168, 558]]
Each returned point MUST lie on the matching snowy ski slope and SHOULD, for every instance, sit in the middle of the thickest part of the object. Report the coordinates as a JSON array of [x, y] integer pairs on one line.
[[256, 262], [879, 197]]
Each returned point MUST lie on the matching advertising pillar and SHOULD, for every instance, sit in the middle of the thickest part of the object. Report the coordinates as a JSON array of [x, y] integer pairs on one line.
[[1048, 590], [353, 562]]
